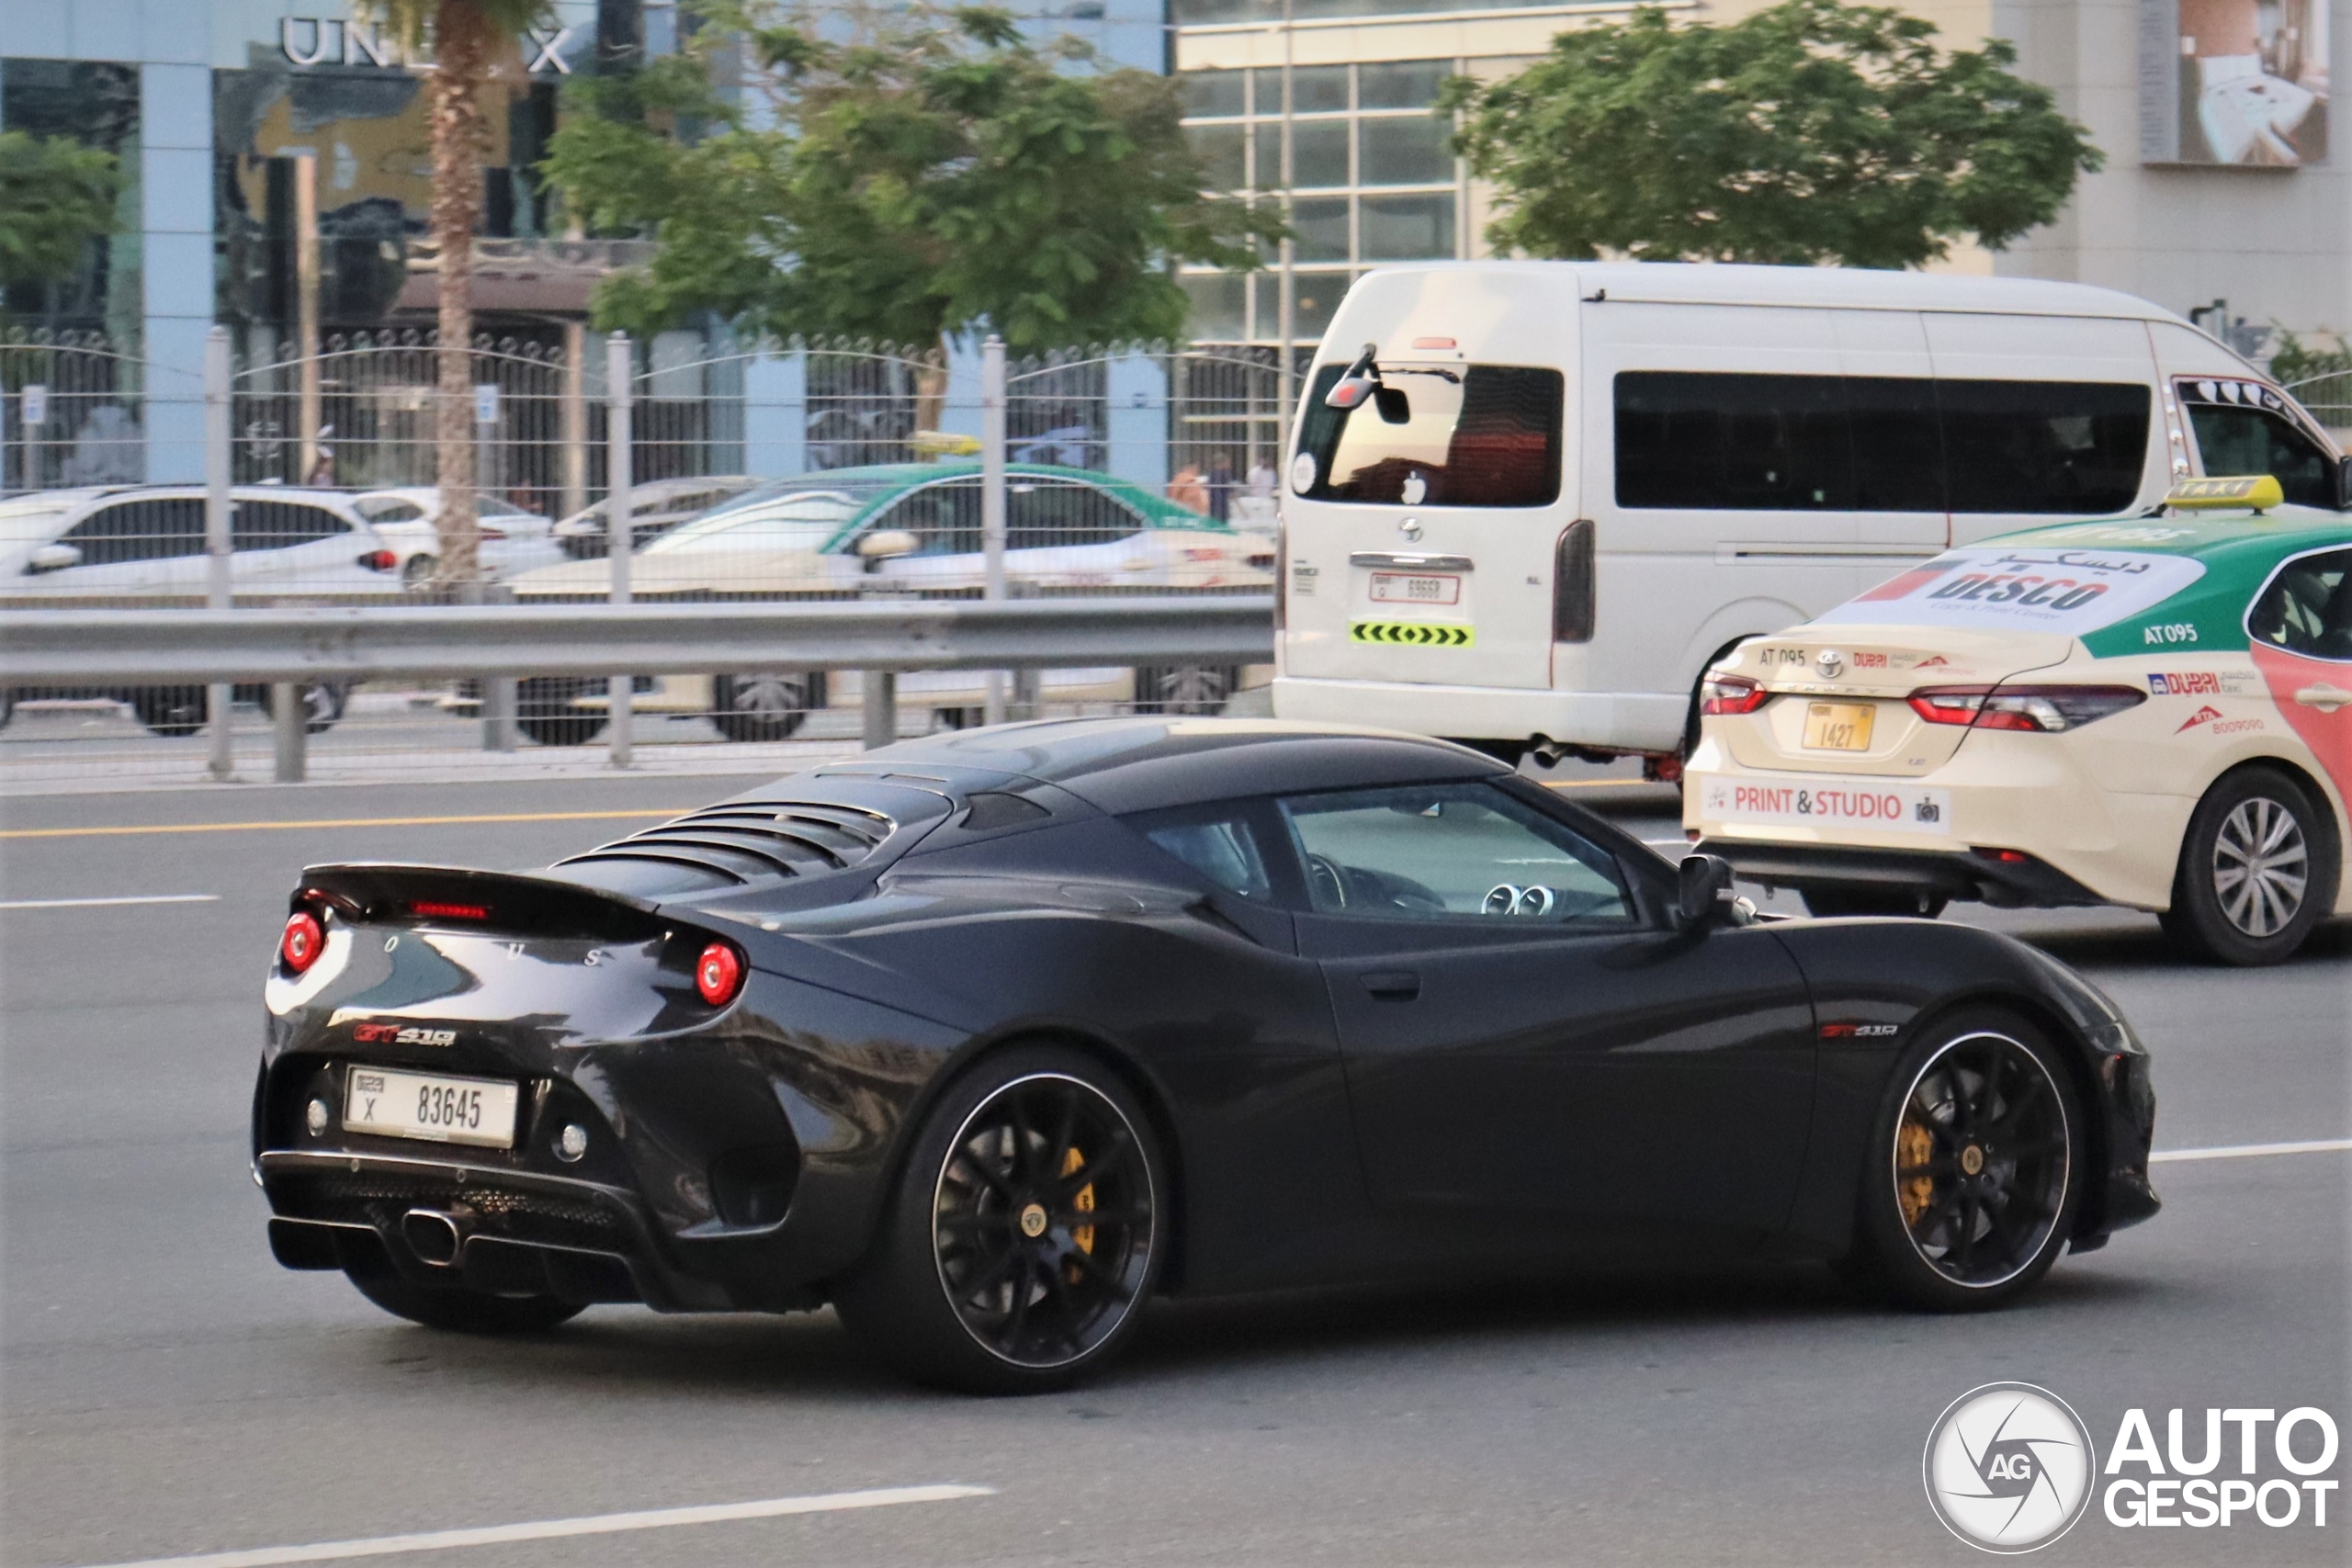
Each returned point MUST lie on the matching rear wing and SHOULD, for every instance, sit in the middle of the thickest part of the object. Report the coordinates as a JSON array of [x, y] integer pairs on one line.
[[389, 893]]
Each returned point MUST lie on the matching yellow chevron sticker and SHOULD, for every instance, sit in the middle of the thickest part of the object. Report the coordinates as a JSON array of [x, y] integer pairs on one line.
[[1412, 634]]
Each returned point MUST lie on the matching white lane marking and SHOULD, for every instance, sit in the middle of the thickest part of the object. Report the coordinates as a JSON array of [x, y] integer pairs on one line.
[[2248, 1151], [95, 903], [555, 1529]]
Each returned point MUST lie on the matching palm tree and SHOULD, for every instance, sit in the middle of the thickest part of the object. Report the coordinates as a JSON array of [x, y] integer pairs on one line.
[[468, 37]]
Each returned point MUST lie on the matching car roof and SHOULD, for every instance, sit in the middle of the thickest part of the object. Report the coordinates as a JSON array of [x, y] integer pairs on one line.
[[2225, 542], [1146, 762]]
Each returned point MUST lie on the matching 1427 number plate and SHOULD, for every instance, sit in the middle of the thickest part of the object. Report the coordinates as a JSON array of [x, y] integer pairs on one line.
[[439, 1109]]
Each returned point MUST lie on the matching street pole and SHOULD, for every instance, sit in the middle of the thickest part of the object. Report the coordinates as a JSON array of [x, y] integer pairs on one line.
[[993, 499], [217, 539], [1287, 323], [620, 534], [306, 314]]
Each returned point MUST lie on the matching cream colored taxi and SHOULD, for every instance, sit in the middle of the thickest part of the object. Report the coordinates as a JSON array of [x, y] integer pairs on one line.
[[2155, 712]]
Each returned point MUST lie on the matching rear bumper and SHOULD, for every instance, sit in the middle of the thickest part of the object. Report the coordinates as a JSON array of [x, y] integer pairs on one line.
[[1961, 875], [1628, 721]]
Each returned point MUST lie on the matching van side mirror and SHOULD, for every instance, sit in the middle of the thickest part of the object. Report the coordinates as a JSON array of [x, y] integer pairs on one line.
[[2343, 484], [1703, 896], [51, 556]]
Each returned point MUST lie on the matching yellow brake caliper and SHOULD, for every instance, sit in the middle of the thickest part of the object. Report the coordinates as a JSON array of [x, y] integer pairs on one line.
[[1914, 1147], [1084, 1203]]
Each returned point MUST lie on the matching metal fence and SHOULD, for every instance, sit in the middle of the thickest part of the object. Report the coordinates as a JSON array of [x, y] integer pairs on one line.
[[797, 472], [75, 411], [2329, 399]]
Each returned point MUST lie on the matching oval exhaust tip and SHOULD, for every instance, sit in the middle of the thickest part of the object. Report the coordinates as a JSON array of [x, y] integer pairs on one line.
[[433, 1236]]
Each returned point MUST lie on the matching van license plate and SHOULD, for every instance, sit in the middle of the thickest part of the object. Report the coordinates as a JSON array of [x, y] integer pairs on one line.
[[1415, 588], [439, 1109], [1838, 726]]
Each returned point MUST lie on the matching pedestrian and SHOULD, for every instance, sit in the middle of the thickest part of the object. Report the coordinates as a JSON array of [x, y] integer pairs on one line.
[[1221, 487], [1185, 490], [1262, 480]]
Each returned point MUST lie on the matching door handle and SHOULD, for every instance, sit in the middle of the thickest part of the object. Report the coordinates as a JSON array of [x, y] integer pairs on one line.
[[1391, 985], [2325, 698]]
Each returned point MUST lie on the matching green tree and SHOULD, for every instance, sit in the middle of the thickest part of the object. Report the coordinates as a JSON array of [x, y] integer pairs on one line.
[[937, 176], [1808, 132], [55, 197], [469, 39]]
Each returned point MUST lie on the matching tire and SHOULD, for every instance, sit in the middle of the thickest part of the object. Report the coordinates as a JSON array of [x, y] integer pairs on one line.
[[1826, 903], [323, 700], [168, 710], [416, 572], [1195, 690], [1926, 1225], [543, 711], [763, 707], [456, 1310], [2257, 870], [986, 1199]]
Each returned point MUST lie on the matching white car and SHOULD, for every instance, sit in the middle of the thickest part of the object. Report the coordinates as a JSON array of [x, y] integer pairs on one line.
[[654, 509], [408, 519], [143, 541]]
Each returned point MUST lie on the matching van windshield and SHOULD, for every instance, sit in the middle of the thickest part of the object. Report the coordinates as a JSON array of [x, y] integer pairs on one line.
[[1468, 435]]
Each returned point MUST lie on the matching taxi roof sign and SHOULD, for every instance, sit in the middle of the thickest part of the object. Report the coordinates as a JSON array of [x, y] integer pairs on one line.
[[2258, 493]]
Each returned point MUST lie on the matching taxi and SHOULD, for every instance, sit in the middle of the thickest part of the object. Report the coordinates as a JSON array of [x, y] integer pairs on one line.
[[2155, 712]]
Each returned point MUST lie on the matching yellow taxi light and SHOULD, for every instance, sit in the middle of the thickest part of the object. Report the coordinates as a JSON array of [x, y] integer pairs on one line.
[[945, 443], [2258, 491]]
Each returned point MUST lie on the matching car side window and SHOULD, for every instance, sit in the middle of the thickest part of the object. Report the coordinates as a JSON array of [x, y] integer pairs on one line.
[[1047, 513], [946, 517], [280, 525], [1449, 851], [2306, 607], [2233, 440], [1218, 842], [157, 528]]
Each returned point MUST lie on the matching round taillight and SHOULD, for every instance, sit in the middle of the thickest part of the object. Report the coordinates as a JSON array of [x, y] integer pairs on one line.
[[304, 940], [718, 973]]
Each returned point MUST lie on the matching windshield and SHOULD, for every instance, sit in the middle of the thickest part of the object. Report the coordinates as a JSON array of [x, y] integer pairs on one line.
[[1473, 435], [802, 521]]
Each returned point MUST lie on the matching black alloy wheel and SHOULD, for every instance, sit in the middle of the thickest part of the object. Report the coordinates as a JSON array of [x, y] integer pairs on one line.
[[1825, 903], [323, 703], [760, 707], [543, 711], [1975, 1172], [1025, 1235], [2257, 871], [454, 1308], [1188, 690]]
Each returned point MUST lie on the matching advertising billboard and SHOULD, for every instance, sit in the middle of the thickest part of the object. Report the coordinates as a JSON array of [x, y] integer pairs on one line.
[[2233, 81]]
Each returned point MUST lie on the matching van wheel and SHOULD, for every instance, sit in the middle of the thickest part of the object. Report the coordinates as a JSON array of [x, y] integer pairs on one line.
[[543, 711], [2257, 871], [761, 708], [1189, 689], [169, 710], [322, 704]]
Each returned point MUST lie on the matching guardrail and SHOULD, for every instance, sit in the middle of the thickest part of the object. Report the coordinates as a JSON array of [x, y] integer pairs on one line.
[[289, 648]]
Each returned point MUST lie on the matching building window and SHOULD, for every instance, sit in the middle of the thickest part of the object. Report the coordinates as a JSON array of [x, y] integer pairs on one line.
[[1373, 170]]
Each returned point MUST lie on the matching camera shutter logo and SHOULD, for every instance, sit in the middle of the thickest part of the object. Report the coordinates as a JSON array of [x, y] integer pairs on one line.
[[2009, 1467]]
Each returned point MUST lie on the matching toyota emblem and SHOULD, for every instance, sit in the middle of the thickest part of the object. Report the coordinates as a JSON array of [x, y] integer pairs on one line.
[[1831, 663], [1411, 529]]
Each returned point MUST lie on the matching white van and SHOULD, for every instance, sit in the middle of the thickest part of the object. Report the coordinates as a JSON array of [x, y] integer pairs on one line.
[[1528, 502]]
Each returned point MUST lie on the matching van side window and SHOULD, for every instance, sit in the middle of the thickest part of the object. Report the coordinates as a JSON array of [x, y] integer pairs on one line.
[[1480, 435], [2234, 438], [1750, 443]]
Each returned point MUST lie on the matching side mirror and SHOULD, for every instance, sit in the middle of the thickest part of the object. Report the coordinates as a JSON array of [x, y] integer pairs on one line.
[[1704, 892], [52, 558], [887, 544], [2343, 484]]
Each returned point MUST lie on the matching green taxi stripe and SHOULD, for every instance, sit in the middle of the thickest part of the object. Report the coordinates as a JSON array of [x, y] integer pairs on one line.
[[1412, 634]]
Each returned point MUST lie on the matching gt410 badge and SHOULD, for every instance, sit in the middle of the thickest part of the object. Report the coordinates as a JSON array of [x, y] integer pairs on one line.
[[395, 1034]]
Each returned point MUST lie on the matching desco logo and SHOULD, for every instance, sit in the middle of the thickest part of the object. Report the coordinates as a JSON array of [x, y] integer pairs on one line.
[[2009, 1467]]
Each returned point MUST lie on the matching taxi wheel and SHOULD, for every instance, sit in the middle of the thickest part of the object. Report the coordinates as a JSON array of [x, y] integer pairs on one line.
[[1026, 1231], [456, 1310], [2257, 871], [1825, 903], [1975, 1171]]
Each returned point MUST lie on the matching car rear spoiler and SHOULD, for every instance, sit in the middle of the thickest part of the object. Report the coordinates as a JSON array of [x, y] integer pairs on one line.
[[389, 893]]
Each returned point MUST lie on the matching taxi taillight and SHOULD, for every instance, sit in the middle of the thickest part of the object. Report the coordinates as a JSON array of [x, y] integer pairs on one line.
[[1730, 694], [2034, 710], [302, 940]]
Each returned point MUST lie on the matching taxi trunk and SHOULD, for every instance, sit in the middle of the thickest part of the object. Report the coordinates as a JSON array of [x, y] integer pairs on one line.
[[1887, 702]]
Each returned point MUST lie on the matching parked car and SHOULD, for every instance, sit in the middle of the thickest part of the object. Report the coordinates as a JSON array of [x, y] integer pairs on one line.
[[514, 541], [140, 542], [2155, 712], [911, 528], [655, 508]]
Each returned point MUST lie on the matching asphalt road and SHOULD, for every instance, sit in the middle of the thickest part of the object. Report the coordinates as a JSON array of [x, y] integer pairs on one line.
[[166, 1391]]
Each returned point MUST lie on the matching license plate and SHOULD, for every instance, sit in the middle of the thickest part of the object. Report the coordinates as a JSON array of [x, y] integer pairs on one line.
[[439, 1109], [1413, 588], [1838, 726]]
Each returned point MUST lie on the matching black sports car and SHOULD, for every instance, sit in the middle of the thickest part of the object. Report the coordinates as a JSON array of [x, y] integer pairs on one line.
[[988, 1038]]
